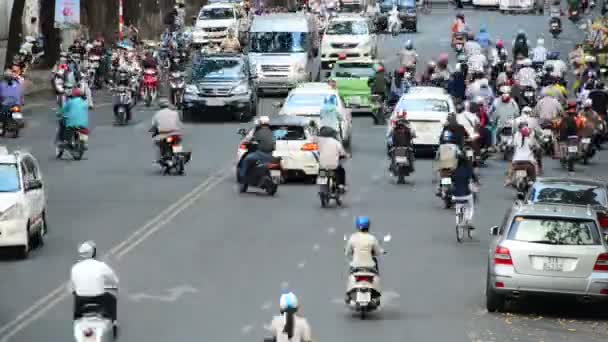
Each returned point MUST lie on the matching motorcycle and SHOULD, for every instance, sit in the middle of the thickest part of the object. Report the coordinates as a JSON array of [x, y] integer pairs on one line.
[[446, 188], [363, 288], [177, 88], [94, 325], [150, 90], [587, 150], [12, 120], [328, 188], [172, 155], [76, 144], [266, 176], [555, 28], [401, 165], [569, 153], [506, 142], [29, 53], [547, 141], [521, 179], [458, 42], [92, 68], [121, 112]]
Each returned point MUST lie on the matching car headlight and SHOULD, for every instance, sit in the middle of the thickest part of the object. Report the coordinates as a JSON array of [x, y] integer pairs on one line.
[[241, 89], [298, 69], [12, 213], [191, 89]]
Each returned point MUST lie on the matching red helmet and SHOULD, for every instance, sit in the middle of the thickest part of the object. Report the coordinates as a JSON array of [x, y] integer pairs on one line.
[[525, 132], [380, 68], [505, 97], [401, 71], [500, 44], [571, 105], [76, 92], [443, 58], [401, 115]]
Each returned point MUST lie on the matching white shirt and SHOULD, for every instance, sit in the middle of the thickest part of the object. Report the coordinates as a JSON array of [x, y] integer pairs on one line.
[[90, 277], [524, 153], [477, 62], [559, 68], [472, 48], [527, 77], [469, 121], [301, 329], [539, 54], [330, 151]]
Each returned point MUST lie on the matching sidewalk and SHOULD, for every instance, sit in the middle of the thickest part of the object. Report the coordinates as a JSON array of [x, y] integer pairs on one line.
[[37, 81]]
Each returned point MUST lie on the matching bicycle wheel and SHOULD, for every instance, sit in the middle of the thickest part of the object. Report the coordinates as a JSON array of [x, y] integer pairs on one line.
[[459, 233]]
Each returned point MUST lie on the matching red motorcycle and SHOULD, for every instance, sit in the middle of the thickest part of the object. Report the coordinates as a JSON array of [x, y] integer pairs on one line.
[[150, 87]]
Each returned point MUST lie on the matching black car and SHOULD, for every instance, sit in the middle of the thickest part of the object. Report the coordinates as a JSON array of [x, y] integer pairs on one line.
[[220, 85], [572, 191], [407, 14]]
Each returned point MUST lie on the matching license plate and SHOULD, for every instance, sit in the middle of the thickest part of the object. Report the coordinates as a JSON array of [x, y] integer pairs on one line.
[[572, 149], [364, 297], [469, 153], [177, 148], [521, 174], [400, 160], [17, 116], [322, 180], [446, 181], [554, 25], [553, 265], [587, 141], [275, 173], [84, 137], [214, 102], [529, 94]]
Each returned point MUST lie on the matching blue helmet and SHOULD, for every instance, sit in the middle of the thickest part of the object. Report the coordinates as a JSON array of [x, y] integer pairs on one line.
[[553, 55], [362, 222], [331, 100]]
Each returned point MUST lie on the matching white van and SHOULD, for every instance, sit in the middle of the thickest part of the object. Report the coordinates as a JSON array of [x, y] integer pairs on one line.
[[283, 50]]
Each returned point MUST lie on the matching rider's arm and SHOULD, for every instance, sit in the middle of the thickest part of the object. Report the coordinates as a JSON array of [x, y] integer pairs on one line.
[[348, 249], [109, 275], [377, 248]]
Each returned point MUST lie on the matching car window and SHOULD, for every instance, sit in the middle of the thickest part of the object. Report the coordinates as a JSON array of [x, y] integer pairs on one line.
[[9, 178], [425, 105], [305, 100], [216, 14], [288, 132], [217, 69], [354, 70], [355, 27], [577, 194], [31, 168], [554, 231]]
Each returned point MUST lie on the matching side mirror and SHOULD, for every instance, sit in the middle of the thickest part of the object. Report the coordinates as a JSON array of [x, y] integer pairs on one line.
[[387, 238], [33, 184], [242, 132], [521, 196], [277, 104], [494, 231]]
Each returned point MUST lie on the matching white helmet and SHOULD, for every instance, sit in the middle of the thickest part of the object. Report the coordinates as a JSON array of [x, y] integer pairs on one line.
[[30, 39], [288, 301], [526, 111], [87, 250], [589, 59], [588, 103], [263, 120], [527, 62], [540, 42]]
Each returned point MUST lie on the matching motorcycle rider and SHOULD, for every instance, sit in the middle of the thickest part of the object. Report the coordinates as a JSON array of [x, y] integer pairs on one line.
[[590, 71], [520, 45], [526, 76], [74, 114], [462, 177], [591, 121], [408, 56], [393, 19], [504, 109], [599, 97], [458, 25], [548, 109], [362, 247], [379, 86], [484, 39], [547, 78], [559, 66], [569, 124], [427, 76], [466, 119], [149, 62], [539, 54], [442, 72], [447, 156], [230, 43], [399, 86], [457, 133], [499, 53], [11, 91], [331, 152], [165, 122], [472, 47], [266, 144], [401, 136], [289, 327], [525, 144], [481, 88], [457, 84], [89, 280]]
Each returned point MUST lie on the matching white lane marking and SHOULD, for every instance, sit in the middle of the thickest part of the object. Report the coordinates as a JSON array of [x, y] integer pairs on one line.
[[284, 285], [44, 304], [331, 230], [247, 329], [266, 305], [389, 298], [302, 264], [173, 294], [343, 214], [316, 247], [267, 327]]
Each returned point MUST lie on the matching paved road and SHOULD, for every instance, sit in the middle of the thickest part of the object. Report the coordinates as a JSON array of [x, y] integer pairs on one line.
[[213, 264]]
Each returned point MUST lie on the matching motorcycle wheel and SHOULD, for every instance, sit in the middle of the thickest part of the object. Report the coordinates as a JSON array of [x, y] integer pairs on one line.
[[78, 151], [401, 179], [148, 98], [58, 152], [447, 202], [16, 133], [459, 233], [180, 167], [570, 164], [585, 160], [243, 187], [324, 200]]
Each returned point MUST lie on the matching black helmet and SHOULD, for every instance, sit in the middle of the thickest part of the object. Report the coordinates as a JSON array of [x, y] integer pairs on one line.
[[459, 108]]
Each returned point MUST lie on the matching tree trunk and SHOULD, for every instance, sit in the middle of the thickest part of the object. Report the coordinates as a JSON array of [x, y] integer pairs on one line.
[[52, 38], [15, 31]]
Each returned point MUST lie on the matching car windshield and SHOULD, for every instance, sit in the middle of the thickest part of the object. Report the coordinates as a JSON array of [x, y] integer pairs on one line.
[[216, 14], [9, 178], [354, 27], [288, 132], [554, 231], [577, 194], [305, 100], [354, 70], [425, 105], [278, 42], [399, 3], [223, 69]]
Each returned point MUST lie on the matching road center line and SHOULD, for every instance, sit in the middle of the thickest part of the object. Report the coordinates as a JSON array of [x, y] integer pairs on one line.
[[44, 304]]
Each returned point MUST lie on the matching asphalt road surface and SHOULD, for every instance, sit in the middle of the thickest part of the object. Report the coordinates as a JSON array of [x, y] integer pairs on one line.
[[199, 261]]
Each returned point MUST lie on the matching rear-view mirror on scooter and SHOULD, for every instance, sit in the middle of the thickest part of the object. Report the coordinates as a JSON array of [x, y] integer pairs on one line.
[[387, 238], [242, 132]]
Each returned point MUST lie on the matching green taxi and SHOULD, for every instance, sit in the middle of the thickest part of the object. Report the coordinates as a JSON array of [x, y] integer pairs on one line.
[[353, 79]]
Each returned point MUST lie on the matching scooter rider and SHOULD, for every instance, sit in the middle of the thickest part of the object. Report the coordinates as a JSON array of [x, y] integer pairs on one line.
[[525, 144], [393, 19], [74, 114], [408, 56], [266, 145], [520, 45], [548, 109], [539, 54], [471, 47], [504, 109], [559, 67], [165, 122], [402, 136], [89, 280], [230, 43], [331, 151], [457, 132], [289, 327], [11, 91], [526, 76], [462, 178], [362, 247]]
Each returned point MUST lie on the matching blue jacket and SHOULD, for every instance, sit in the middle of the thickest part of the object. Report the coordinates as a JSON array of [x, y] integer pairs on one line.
[[457, 85], [76, 113], [463, 175], [483, 38], [11, 94]]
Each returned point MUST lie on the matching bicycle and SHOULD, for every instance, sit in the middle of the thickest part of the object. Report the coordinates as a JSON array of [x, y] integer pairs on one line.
[[462, 224]]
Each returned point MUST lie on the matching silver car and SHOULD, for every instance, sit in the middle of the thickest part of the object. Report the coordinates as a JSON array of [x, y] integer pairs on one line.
[[547, 249]]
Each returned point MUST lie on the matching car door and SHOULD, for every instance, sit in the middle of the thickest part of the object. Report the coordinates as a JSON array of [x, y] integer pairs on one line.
[[35, 197]]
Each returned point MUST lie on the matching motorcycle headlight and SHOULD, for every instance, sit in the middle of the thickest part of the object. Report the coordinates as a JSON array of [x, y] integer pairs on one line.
[[191, 89], [12, 213], [241, 89]]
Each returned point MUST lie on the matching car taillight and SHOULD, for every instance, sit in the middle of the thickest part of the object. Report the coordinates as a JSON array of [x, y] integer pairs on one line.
[[603, 220], [309, 147], [601, 264], [274, 166], [88, 332], [169, 140], [243, 146], [368, 279], [15, 109], [502, 256]]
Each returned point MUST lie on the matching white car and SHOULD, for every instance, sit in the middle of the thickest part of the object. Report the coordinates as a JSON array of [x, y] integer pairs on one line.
[[22, 202], [295, 145], [213, 23], [307, 100], [485, 3], [426, 109], [349, 35]]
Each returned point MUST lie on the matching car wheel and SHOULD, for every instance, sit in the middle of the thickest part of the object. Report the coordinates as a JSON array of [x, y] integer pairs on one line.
[[45, 224], [25, 249], [494, 301]]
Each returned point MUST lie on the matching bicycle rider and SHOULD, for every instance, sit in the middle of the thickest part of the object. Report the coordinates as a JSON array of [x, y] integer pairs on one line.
[[462, 178]]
